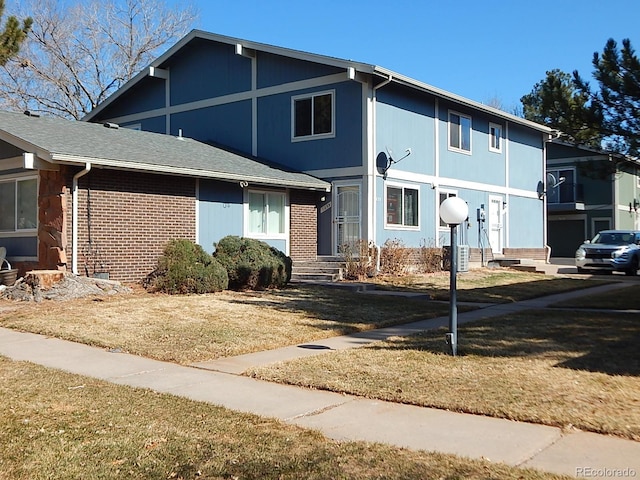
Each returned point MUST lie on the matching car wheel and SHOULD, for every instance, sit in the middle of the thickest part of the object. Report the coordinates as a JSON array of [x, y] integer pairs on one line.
[[634, 267]]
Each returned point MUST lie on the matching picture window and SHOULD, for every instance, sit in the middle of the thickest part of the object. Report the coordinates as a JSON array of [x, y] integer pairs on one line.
[[402, 206]]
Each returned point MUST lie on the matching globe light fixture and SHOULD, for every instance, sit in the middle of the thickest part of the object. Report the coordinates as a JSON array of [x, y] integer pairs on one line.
[[453, 211]]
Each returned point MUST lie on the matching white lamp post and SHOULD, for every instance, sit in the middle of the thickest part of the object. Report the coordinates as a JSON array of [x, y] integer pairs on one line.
[[453, 211]]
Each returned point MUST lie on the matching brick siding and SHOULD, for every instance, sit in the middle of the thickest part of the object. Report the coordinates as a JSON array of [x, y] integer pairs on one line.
[[130, 216], [304, 224]]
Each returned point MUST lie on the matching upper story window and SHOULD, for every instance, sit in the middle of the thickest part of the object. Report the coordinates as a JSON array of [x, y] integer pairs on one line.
[[266, 213], [402, 206], [459, 132], [561, 186], [495, 137], [313, 116], [18, 204]]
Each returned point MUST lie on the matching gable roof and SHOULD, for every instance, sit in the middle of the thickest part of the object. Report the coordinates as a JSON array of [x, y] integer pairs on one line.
[[594, 151], [382, 73], [72, 142]]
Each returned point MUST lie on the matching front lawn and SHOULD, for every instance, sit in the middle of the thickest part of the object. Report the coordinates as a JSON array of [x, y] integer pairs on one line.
[[561, 368]]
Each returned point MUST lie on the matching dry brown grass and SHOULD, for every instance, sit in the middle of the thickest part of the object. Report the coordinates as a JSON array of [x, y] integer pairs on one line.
[[562, 368], [194, 328], [499, 285], [58, 425]]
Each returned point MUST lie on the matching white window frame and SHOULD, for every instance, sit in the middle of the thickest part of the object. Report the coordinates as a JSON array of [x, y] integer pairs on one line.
[[459, 126], [21, 232], [449, 193], [313, 136], [403, 187], [493, 128], [284, 235]]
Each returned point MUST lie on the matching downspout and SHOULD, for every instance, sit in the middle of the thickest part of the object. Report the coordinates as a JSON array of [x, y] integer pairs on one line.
[[74, 227], [373, 166]]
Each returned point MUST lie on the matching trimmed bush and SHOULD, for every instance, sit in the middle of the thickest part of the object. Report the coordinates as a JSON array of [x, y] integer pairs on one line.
[[185, 267], [252, 264]]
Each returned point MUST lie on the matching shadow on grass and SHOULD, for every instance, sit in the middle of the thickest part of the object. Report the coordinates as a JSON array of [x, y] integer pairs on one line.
[[345, 311], [503, 293], [590, 341]]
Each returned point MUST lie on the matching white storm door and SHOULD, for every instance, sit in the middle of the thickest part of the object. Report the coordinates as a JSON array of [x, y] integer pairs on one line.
[[346, 216], [496, 217]]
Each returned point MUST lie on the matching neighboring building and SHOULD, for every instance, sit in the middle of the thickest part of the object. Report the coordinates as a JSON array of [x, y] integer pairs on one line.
[[392, 147], [78, 196], [594, 191]]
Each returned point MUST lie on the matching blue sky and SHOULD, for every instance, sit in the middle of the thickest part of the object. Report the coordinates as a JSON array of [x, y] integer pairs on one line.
[[480, 49]]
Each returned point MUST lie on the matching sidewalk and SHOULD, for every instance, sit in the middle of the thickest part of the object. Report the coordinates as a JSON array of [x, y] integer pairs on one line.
[[345, 417]]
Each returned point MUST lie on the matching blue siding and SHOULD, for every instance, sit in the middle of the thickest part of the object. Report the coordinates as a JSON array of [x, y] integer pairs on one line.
[[207, 70], [277, 70], [482, 165], [220, 212], [20, 246], [345, 150], [525, 222], [149, 94], [526, 167], [410, 238], [228, 125], [7, 150], [153, 124], [404, 122]]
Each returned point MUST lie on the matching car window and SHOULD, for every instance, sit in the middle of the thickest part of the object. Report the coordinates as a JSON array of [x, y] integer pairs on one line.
[[616, 238]]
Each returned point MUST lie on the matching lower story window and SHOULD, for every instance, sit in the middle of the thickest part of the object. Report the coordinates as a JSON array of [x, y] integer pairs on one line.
[[443, 197], [18, 205], [266, 213], [402, 206]]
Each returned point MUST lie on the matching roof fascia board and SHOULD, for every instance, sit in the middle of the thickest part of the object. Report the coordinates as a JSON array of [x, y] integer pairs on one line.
[[312, 57], [157, 63], [287, 52], [24, 145], [619, 156], [191, 172], [398, 78]]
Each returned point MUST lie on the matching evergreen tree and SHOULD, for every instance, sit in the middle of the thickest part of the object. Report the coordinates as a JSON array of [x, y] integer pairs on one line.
[[557, 103], [618, 75], [12, 36]]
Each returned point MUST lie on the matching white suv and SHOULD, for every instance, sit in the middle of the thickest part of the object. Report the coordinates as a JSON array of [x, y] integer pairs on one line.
[[610, 250]]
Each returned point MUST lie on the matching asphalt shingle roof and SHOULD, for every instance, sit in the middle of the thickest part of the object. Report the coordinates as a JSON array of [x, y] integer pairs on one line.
[[72, 142]]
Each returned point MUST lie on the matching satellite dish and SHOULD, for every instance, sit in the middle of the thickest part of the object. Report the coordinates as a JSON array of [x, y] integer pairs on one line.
[[552, 182]]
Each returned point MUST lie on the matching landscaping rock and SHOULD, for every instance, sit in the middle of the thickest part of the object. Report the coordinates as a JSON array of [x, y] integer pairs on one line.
[[32, 288]]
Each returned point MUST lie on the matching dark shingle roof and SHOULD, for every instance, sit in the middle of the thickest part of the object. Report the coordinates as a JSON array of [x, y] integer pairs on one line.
[[72, 142]]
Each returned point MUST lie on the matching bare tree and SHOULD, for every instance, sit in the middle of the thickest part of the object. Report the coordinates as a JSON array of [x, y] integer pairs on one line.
[[80, 52]]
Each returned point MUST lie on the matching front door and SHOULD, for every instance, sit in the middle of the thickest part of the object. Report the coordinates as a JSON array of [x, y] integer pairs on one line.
[[346, 216], [496, 224]]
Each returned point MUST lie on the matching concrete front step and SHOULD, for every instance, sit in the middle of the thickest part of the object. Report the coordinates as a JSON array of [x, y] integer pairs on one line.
[[324, 269], [515, 264]]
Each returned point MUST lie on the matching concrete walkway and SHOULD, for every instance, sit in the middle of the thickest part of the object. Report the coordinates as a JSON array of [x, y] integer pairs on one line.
[[345, 417]]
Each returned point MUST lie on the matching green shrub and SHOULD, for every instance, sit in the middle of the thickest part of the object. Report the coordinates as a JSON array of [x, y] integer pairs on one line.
[[185, 267], [252, 264]]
